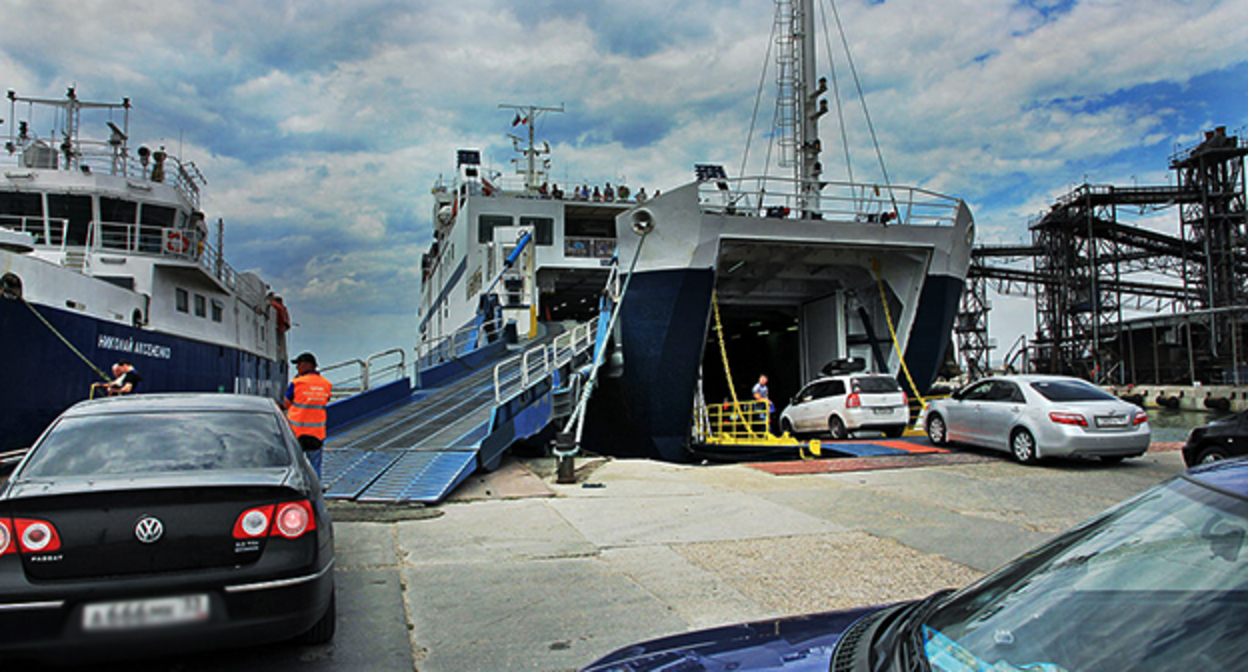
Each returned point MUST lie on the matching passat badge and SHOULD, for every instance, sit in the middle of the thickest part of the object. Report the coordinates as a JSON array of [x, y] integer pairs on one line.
[[149, 530]]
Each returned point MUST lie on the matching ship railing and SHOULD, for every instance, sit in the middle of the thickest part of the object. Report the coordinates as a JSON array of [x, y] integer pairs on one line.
[[361, 375], [50, 231], [100, 156], [519, 373], [839, 202], [456, 344]]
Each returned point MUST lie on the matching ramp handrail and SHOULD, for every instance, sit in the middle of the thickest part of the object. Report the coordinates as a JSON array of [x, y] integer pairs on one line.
[[454, 344], [365, 376], [516, 374]]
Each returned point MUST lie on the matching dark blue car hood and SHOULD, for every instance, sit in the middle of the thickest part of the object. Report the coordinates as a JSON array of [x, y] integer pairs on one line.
[[793, 644]]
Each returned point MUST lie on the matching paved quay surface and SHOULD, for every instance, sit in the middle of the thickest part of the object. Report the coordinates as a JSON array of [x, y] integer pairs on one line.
[[519, 573]]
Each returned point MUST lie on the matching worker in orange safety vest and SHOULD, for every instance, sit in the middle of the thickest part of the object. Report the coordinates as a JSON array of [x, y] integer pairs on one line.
[[305, 402]]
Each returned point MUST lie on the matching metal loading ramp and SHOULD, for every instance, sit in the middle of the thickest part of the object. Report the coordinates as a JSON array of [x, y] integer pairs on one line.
[[419, 451], [424, 448]]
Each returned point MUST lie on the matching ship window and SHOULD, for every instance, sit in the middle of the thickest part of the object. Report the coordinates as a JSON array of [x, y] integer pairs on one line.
[[543, 229], [157, 215], [118, 210], [23, 212], [486, 225], [218, 309], [75, 211], [589, 228], [182, 300], [201, 306]]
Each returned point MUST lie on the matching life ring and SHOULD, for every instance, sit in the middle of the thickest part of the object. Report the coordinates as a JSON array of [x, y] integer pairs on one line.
[[177, 243]]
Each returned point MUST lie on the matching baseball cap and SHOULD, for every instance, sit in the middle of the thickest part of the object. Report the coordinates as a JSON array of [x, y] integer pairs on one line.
[[305, 357]]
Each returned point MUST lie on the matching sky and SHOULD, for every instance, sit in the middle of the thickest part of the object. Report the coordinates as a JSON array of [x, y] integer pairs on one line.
[[321, 125]]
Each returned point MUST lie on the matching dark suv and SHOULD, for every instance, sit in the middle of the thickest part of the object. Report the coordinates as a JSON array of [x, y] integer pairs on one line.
[[1218, 440]]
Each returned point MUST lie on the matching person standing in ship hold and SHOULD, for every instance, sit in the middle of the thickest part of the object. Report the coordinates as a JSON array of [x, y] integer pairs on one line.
[[761, 393], [305, 402]]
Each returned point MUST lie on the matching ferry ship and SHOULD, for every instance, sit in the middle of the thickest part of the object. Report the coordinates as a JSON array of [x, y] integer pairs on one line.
[[816, 270], [105, 255]]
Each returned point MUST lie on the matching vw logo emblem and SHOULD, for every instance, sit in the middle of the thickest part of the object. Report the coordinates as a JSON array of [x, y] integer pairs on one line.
[[149, 530]]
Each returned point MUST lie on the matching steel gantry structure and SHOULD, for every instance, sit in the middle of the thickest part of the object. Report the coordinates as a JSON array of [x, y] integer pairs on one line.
[[1121, 303]]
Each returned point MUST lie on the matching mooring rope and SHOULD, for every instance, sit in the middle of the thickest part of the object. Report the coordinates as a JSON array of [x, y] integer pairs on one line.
[[46, 323]]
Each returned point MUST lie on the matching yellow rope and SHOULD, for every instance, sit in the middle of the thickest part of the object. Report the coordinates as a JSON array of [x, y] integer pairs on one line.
[[723, 351], [888, 317]]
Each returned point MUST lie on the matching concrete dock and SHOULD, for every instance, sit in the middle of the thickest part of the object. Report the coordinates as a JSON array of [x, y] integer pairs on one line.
[[519, 573]]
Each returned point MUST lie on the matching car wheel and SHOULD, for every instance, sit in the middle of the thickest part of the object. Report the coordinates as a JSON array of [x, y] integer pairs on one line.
[[1214, 454], [1023, 446], [836, 428], [936, 432], [786, 427], [323, 631], [895, 432]]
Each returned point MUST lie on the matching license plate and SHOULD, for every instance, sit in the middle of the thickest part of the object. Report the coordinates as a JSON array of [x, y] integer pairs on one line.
[[135, 614], [883, 411], [1111, 421]]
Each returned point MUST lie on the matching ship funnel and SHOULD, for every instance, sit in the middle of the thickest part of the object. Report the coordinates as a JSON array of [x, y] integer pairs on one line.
[[643, 221]]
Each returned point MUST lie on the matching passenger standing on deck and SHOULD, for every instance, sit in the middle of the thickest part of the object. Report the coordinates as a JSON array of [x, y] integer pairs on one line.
[[305, 403]]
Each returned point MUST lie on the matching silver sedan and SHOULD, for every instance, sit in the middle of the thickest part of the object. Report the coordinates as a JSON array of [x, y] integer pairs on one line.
[[1040, 416]]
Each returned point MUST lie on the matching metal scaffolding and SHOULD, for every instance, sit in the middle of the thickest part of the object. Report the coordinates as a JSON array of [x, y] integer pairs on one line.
[[1121, 303]]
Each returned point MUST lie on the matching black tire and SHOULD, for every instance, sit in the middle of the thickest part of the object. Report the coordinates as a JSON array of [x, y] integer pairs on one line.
[[1212, 454], [322, 632], [937, 432], [895, 432], [787, 427], [836, 429], [1023, 446]]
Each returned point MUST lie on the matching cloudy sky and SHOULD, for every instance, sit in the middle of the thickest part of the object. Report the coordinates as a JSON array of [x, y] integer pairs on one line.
[[321, 125]]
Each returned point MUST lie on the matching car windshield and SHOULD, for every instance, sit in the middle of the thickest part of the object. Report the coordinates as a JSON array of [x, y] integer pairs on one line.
[[1070, 390], [132, 443], [876, 384], [1159, 582]]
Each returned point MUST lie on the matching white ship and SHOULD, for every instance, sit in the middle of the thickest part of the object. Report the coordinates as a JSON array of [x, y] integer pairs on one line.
[[807, 270], [104, 256]]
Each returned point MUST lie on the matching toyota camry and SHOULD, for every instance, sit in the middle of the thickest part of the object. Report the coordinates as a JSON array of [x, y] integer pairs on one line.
[[159, 523]]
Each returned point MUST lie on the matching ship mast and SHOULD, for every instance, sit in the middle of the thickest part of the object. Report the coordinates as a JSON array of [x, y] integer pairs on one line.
[[527, 115], [798, 104]]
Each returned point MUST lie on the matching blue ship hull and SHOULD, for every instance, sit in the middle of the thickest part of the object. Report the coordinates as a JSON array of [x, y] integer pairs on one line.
[[647, 411], [44, 377]]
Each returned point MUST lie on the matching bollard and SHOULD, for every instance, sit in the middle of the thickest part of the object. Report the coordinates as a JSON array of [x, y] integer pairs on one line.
[[565, 463]]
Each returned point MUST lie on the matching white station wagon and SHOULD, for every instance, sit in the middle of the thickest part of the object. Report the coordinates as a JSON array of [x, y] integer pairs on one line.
[[847, 403]]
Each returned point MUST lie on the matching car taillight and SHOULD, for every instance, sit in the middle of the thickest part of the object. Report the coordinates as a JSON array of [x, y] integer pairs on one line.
[[905, 400], [28, 535], [253, 523], [291, 521], [1063, 418], [6, 537], [853, 401], [1140, 418]]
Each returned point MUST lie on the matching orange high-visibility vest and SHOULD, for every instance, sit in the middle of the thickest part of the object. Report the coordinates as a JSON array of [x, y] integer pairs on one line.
[[307, 410]]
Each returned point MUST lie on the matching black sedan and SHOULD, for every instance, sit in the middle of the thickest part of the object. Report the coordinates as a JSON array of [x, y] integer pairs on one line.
[[1159, 582], [157, 523], [1218, 440]]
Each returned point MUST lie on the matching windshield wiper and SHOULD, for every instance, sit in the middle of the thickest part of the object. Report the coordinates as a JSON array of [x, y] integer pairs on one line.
[[904, 637]]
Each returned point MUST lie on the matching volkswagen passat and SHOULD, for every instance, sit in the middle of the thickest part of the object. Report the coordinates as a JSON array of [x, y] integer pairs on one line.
[[1159, 582], [1040, 416], [158, 523]]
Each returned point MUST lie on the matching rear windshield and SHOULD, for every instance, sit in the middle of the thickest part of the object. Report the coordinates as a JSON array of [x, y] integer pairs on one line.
[[876, 384], [1070, 390], [132, 443]]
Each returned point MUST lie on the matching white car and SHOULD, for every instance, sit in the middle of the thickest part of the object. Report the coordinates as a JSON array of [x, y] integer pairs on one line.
[[1040, 416], [842, 404]]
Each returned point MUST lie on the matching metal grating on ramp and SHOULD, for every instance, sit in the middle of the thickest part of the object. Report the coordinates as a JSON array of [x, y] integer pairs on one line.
[[422, 477], [346, 473]]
